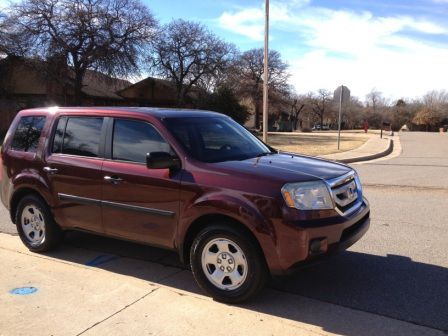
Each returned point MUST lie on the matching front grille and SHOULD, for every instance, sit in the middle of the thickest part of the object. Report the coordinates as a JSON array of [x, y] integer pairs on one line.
[[346, 193]]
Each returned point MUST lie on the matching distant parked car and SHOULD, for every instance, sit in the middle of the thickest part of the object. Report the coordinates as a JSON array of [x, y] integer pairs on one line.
[[196, 182], [323, 128]]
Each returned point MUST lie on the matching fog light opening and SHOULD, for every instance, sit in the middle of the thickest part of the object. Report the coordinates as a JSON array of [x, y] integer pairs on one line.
[[318, 246]]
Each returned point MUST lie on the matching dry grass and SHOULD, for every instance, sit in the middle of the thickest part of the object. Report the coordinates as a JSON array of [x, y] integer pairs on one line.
[[314, 145]]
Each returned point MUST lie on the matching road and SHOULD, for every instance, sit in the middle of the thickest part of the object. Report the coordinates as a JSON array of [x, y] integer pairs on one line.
[[398, 270]]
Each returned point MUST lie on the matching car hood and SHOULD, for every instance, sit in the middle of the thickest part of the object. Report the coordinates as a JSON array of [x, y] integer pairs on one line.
[[285, 167]]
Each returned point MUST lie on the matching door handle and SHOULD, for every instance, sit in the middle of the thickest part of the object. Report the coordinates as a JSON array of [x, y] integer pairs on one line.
[[50, 170], [113, 179]]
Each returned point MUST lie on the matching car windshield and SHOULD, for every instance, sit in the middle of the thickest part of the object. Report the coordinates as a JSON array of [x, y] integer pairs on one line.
[[215, 139]]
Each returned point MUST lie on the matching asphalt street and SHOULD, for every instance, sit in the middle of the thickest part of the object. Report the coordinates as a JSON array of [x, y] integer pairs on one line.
[[399, 269]]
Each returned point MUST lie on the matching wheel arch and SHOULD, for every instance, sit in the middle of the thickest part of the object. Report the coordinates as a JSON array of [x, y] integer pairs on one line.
[[17, 196], [208, 219]]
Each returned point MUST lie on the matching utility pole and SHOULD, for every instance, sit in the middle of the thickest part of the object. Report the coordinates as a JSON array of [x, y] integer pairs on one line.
[[340, 117], [266, 76]]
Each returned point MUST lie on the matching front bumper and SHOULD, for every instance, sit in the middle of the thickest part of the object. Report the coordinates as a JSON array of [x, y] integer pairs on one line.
[[295, 245]]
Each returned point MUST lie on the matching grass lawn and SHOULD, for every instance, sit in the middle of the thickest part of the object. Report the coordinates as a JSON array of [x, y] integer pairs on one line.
[[314, 145]]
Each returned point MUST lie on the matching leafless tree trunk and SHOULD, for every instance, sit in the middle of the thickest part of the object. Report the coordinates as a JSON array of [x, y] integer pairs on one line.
[[321, 104]]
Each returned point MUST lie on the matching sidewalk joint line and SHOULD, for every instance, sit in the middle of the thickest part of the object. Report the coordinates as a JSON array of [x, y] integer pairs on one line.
[[118, 311]]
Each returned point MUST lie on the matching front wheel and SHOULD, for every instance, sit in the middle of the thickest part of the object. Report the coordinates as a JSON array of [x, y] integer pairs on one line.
[[36, 226], [227, 264]]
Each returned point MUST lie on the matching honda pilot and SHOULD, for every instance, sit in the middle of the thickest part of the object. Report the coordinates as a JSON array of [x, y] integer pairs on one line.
[[196, 182]]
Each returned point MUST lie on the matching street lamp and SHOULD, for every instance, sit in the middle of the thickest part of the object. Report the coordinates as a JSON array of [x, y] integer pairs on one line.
[[265, 77]]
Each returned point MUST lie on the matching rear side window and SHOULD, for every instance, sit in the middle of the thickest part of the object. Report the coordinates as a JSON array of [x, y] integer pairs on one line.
[[27, 135], [78, 136], [59, 135], [132, 140]]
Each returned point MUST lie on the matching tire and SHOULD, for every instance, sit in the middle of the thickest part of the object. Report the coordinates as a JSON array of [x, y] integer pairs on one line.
[[36, 226], [227, 264]]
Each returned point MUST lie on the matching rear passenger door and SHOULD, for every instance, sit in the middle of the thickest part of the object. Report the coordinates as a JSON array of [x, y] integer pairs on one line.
[[73, 169], [139, 203]]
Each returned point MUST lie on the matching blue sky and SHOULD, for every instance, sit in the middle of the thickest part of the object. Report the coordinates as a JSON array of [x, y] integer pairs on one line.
[[397, 47]]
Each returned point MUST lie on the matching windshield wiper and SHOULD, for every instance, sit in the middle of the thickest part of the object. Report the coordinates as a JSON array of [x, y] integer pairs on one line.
[[265, 154]]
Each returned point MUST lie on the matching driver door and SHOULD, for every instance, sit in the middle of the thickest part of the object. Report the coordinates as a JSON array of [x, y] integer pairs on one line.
[[139, 203]]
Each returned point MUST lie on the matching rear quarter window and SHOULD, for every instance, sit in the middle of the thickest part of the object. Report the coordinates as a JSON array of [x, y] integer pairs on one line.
[[27, 134]]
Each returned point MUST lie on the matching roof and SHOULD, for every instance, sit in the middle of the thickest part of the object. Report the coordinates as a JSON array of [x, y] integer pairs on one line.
[[148, 82], [157, 112], [29, 77], [97, 84]]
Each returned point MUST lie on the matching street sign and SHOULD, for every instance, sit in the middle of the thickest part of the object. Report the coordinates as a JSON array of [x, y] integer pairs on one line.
[[342, 96], [341, 92]]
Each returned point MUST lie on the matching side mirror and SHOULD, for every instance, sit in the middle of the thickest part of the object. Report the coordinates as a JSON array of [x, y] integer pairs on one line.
[[161, 160]]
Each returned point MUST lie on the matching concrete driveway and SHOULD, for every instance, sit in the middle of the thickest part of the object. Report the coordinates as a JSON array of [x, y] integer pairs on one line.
[[394, 281]]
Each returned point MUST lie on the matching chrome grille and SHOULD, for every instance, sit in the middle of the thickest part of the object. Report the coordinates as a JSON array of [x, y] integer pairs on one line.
[[346, 193]]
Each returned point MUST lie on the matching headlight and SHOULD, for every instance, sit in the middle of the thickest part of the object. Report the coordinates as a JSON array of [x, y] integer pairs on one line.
[[307, 195], [358, 185]]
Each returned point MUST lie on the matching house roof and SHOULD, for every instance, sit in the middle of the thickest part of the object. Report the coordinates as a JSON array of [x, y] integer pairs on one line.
[[97, 84], [32, 79], [150, 81]]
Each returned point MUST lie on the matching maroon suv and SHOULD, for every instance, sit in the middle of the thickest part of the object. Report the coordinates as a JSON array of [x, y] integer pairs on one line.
[[191, 181]]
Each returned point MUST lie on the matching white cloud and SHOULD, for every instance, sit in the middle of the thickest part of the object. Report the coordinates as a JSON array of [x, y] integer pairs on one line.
[[245, 22], [249, 22], [355, 48]]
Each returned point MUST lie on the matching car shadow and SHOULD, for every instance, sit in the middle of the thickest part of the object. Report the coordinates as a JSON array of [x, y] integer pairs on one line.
[[392, 286]]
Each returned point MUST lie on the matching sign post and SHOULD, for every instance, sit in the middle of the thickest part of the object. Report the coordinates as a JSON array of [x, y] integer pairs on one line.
[[341, 95]]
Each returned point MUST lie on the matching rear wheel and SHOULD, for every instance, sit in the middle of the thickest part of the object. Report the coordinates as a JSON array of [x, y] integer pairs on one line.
[[36, 226], [227, 264]]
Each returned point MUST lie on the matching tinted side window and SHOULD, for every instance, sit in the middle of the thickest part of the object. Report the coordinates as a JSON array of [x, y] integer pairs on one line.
[[27, 135], [82, 136], [181, 132], [59, 135], [132, 140]]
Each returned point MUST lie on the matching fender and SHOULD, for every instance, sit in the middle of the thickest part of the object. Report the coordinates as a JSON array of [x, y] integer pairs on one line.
[[239, 208], [31, 179]]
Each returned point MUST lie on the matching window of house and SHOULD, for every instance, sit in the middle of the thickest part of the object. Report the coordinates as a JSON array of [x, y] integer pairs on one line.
[[27, 135], [132, 140]]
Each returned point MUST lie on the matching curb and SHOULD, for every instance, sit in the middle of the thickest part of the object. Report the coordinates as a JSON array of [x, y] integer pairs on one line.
[[386, 152]]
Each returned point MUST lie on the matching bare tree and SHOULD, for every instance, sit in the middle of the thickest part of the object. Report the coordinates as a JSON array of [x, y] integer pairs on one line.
[[321, 104], [297, 104], [427, 117], [103, 35], [432, 109], [374, 100], [377, 109], [248, 76], [2, 34], [352, 114], [186, 52], [437, 101]]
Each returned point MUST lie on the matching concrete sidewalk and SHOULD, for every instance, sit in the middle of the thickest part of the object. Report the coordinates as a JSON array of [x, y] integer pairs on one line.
[[123, 296], [374, 148]]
